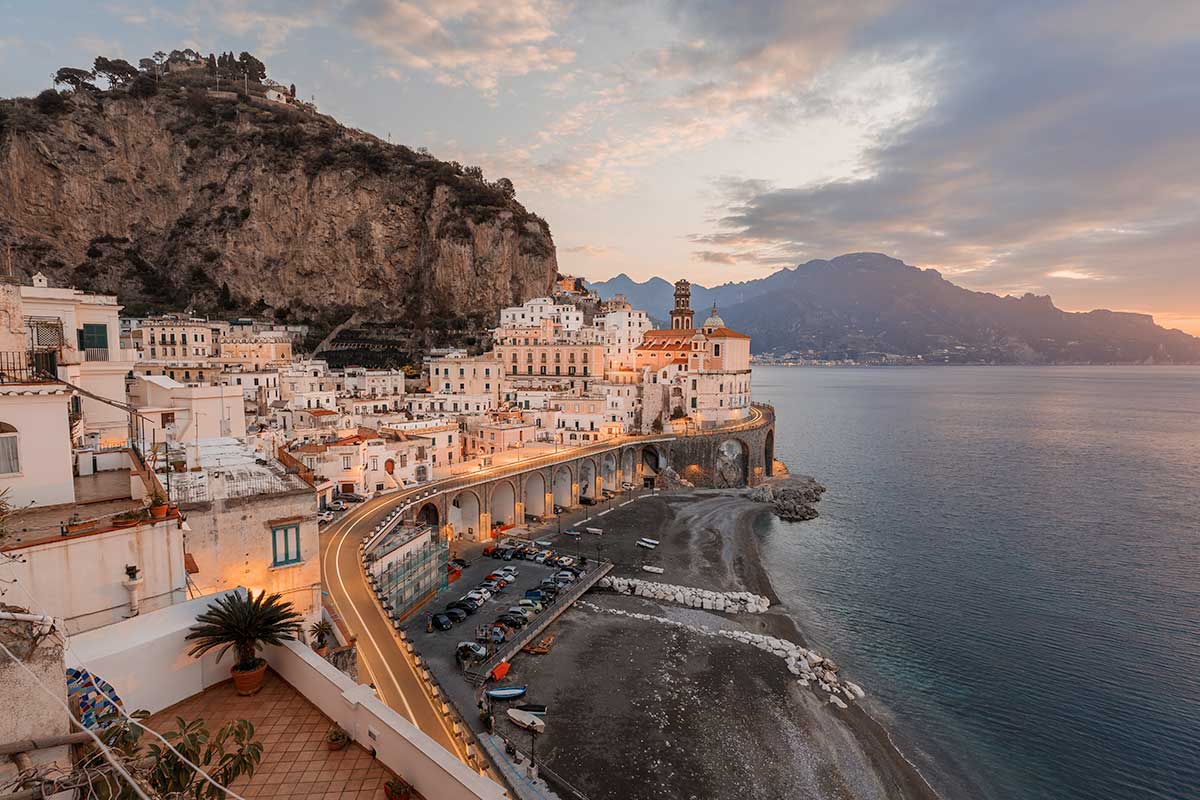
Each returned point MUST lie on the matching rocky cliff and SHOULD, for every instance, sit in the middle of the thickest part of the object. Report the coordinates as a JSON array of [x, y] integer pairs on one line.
[[229, 202]]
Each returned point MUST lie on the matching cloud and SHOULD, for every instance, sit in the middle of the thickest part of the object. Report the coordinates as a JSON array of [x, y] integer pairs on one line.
[[590, 250], [1040, 148]]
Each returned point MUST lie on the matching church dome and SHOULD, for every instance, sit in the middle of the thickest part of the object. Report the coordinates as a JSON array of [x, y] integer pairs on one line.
[[714, 320]]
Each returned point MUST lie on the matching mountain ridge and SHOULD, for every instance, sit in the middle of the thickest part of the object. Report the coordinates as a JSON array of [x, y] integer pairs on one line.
[[860, 306]]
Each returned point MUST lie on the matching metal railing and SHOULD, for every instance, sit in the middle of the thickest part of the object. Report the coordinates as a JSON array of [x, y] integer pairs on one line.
[[28, 366], [95, 354]]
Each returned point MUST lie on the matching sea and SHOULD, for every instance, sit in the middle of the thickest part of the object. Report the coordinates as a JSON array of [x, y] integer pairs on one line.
[[1008, 560]]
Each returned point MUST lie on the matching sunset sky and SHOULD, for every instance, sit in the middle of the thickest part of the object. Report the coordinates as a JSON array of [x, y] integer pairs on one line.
[[1015, 146]]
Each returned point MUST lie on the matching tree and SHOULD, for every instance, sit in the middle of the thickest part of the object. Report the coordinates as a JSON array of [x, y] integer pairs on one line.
[[244, 623], [254, 69], [226, 297], [75, 78], [143, 86], [212, 64], [506, 188], [117, 72], [474, 173], [292, 90], [50, 102]]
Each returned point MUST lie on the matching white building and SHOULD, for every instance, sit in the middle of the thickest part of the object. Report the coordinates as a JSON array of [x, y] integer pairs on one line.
[[541, 309], [621, 328]]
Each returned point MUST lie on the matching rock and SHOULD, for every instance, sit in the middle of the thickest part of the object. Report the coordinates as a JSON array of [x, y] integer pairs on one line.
[[856, 689], [837, 701]]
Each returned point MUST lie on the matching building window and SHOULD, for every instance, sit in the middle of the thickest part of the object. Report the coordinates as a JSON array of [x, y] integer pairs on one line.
[[285, 545], [10, 457], [345, 462], [716, 349]]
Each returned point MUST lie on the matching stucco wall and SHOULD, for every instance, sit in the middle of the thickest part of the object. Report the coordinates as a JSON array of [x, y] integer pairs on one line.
[[696, 457], [43, 447]]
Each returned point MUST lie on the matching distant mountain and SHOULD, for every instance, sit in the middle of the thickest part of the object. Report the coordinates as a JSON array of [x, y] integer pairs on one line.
[[864, 305]]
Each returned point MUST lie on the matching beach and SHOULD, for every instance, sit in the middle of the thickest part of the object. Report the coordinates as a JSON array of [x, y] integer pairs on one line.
[[655, 699]]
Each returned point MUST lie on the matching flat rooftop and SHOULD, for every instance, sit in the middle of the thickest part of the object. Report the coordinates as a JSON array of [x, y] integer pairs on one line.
[[97, 496], [296, 762]]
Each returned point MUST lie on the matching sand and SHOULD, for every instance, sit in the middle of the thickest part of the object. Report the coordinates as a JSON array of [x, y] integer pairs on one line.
[[649, 709]]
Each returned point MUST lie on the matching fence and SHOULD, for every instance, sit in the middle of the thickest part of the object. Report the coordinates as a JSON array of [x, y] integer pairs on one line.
[[24, 366]]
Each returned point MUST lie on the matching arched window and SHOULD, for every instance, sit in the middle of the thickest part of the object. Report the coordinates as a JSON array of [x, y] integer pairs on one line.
[[10, 457]]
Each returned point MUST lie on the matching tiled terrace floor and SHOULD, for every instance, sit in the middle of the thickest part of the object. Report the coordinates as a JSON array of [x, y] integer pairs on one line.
[[296, 762]]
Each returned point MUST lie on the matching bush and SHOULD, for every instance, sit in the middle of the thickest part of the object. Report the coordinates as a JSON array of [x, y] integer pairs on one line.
[[143, 86], [50, 102]]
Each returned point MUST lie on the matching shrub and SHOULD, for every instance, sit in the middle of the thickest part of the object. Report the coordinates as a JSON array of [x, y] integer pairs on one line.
[[50, 102]]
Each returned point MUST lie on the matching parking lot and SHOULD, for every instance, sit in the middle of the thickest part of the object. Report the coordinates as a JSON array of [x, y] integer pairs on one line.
[[438, 647]]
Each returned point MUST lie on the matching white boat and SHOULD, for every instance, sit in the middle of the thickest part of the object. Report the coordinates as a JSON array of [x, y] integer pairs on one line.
[[596, 531], [646, 545], [655, 570], [524, 719], [648, 540]]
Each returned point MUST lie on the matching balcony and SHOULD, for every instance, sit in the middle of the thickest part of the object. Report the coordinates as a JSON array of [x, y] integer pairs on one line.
[[95, 354], [28, 366]]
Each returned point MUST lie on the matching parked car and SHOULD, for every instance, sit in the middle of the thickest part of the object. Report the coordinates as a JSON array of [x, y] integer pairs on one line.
[[455, 614], [492, 586], [336, 505], [542, 556], [524, 611], [475, 602], [489, 550], [543, 543], [587, 501], [470, 651], [529, 602], [324, 516], [500, 577], [350, 497], [565, 575], [461, 563], [442, 622], [458, 605], [513, 620], [508, 555], [481, 594], [535, 594]]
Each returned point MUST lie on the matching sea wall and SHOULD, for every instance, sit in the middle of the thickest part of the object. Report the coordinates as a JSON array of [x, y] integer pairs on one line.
[[734, 456]]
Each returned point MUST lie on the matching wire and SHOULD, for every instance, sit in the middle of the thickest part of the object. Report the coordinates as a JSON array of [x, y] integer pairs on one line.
[[105, 749], [120, 710]]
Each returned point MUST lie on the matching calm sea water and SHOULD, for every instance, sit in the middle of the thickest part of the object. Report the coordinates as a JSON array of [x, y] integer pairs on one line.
[[1009, 560]]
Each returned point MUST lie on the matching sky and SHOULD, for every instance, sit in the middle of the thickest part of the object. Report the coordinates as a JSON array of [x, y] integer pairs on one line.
[[1047, 147]]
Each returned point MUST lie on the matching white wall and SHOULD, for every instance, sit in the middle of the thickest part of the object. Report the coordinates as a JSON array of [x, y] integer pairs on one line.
[[43, 447]]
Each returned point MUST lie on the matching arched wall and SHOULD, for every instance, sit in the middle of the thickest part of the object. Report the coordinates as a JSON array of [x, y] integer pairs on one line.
[[465, 514], [563, 478], [535, 494], [504, 504]]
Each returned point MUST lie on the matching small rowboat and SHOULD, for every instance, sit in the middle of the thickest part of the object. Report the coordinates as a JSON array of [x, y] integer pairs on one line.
[[537, 709], [526, 720], [507, 692], [646, 545], [596, 531], [655, 570], [649, 541]]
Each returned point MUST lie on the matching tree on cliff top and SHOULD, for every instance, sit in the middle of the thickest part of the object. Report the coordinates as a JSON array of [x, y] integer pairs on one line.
[[75, 78], [117, 72]]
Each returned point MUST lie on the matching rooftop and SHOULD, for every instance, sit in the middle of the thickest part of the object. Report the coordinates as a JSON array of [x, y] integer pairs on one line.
[[97, 498], [296, 763]]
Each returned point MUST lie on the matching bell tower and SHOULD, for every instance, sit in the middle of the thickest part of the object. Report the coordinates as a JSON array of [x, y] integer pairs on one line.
[[681, 314]]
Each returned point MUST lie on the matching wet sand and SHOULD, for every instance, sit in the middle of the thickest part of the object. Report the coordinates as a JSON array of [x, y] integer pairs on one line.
[[642, 708]]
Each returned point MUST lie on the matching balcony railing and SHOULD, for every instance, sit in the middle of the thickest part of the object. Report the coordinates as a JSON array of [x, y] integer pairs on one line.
[[95, 354], [24, 366]]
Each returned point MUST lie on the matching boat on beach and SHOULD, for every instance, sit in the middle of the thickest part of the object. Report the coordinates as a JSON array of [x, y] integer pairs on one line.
[[506, 692], [526, 720], [537, 709], [645, 544], [648, 540], [655, 570]]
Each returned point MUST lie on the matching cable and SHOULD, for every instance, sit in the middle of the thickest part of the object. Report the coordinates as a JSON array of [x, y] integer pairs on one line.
[[105, 749], [117, 706]]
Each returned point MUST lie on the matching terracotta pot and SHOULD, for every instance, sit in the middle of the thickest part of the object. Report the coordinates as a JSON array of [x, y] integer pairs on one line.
[[396, 794], [124, 523], [322, 651], [247, 682], [338, 745], [159, 512]]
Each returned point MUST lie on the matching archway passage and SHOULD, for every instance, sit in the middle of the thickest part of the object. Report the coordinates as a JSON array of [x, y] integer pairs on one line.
[[650, 459], [733, 464], [608, 472], [389, 466], [504, 504], [562, 487], [464, 514], [428, 515], [627, 467], [769, 454], [587, 480], [535, 495]]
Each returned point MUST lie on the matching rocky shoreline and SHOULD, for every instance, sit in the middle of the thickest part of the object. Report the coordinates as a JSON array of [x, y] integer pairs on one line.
[[720, 696], [794, 498]]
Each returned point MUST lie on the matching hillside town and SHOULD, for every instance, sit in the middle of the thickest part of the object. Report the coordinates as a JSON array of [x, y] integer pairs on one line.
[[172, 456]]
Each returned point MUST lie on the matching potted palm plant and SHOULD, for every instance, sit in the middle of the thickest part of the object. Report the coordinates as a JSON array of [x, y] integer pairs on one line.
[[397, 789], [322, 632], [244, 623]]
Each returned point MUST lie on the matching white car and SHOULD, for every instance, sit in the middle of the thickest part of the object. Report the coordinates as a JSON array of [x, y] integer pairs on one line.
[[337, 505], [524, 611], [482, 594], [324, 516], [569, 577], [534, 605], [511, 571]]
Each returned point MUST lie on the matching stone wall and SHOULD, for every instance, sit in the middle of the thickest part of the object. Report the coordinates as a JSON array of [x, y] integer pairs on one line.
[[706, 459]]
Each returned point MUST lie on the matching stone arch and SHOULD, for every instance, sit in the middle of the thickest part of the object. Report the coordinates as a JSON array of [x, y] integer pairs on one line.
[[463, 514], [587, 479], [504, 504], [733, 464], [429, 515], [563, 478], [608, 472], [535, 494], [652, 459], [769, 453]]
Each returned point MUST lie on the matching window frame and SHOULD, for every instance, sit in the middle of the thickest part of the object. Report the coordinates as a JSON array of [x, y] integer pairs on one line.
[[289, 557]]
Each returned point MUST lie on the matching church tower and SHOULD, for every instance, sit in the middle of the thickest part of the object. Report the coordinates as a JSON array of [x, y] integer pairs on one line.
[[681, 314]]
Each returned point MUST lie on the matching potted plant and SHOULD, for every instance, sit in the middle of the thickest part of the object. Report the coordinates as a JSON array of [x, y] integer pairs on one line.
[[336, 739], [244, 623], [322, 632], [397, 789], [158, 505], [128, 519]]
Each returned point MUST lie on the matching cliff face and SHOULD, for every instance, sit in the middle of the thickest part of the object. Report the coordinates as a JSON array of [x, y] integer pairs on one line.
[[185, 199]]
